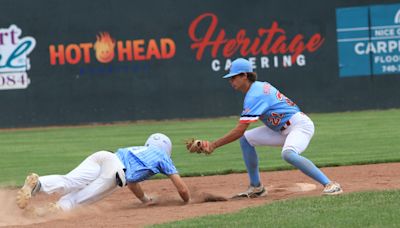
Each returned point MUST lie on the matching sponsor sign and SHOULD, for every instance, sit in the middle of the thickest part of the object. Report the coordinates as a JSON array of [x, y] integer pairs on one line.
[[107, 50], [270, 48], [14, 61], [368, 40]]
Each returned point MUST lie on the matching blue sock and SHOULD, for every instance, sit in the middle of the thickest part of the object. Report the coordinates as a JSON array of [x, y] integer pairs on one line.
[[251, 160], [305, 165]]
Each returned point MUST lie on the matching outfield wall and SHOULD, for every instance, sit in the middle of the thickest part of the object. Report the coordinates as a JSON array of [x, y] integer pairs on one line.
[[74, 62]]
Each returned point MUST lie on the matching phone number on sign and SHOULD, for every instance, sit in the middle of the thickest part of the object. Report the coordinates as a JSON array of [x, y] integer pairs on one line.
[[391, 68], [14, 81]]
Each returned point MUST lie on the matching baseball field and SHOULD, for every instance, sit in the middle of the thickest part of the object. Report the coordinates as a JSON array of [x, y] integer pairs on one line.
[[360, 150]]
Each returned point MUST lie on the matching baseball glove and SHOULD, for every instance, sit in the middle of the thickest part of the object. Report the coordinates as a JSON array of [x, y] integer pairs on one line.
[[199, 146]]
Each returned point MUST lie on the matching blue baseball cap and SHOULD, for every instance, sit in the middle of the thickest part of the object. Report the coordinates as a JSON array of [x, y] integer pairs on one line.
[[239, 66]]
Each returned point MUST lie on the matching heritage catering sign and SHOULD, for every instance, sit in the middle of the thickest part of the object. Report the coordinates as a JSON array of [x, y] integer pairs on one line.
[[271, 47]]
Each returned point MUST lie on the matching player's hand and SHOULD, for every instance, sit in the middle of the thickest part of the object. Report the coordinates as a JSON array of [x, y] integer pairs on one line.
[[147, 200], [199, 146], [152, 201]]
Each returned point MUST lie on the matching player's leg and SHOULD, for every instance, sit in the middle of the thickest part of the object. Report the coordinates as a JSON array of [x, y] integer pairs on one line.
[[78, 178], [299, 136], [292, 155], [260, 136], [98, 189], [103, 185], [250, 158], [86, 172], [255, 137]]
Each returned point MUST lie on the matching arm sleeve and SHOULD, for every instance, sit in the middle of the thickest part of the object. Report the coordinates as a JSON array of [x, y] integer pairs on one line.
[[253, 108], [167, 167]]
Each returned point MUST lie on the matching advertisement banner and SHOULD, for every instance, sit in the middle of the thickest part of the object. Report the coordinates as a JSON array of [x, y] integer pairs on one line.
[[369, 40], [68, 62], [14, 61]]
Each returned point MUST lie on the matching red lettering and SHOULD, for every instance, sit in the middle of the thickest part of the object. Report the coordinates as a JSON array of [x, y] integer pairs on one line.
[[279, 45], [152, 50], [124, 52], [57, 54], [271, 40], [217, 43], [86, 51], [247, 46], [230, 48], [296, 46], [138, 49], [73, 54], [275, 118], [280, 96], [270, 33], [168, 48], [202, 42], [315, 42]]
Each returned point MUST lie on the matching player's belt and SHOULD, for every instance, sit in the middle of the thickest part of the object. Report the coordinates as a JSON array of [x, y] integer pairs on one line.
[[118, 179], [285, 126]]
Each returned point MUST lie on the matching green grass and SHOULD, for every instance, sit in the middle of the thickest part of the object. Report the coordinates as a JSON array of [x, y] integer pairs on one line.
[[340, 139], [367, 209]]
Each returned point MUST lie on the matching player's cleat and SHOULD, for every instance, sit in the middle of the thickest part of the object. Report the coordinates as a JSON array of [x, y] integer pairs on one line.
[[253, 192], [30, 188], [332, 188]]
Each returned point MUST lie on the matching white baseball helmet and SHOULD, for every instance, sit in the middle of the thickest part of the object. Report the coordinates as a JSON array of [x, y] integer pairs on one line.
[[161, 141]]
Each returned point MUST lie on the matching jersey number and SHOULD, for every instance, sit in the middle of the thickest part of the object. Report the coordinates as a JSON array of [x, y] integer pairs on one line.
[[280, 96], [275, 118]]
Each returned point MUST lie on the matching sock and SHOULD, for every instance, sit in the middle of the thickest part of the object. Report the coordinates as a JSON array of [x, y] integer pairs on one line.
[[306, 166], [251, 160]]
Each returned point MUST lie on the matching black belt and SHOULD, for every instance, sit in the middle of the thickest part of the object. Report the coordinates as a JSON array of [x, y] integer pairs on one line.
[[285, 126], [118, 178]]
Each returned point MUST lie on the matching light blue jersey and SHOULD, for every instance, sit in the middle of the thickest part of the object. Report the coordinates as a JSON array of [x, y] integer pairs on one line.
[[265, 102], [142, 162]]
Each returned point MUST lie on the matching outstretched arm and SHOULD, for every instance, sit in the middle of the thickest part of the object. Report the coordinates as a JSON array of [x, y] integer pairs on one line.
[[233, 135], [181, 187], [137, 190], [207, 147]]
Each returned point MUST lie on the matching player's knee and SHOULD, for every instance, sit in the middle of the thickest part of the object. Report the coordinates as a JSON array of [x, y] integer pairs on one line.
[[288, 155]]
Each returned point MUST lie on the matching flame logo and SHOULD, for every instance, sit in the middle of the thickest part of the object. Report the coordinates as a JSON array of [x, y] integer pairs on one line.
[[104, 47]]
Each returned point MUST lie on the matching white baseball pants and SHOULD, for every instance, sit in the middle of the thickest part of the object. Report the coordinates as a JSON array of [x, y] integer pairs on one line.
[[92, 180], [295, 137]]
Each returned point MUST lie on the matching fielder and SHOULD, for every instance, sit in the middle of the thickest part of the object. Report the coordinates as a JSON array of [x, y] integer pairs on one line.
[[103, 172], [285, 125]]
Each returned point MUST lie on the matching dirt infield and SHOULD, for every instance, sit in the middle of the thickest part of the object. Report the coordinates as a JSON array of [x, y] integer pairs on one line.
[[121, 209]]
